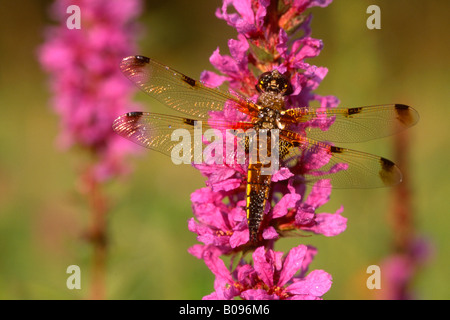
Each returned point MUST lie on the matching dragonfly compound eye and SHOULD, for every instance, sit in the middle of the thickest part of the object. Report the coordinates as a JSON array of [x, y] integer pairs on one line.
[[274, 81]]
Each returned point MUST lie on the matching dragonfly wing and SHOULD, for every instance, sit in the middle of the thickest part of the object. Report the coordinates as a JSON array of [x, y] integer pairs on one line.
[[355, 124], [179, 91], [345, 168], [163, 133]]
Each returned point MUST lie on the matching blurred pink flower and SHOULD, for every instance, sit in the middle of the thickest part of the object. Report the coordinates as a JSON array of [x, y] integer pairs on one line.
[[89, 91], [400, 269]]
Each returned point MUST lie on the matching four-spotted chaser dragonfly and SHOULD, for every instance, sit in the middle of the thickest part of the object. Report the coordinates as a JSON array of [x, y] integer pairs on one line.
[[295, 140]]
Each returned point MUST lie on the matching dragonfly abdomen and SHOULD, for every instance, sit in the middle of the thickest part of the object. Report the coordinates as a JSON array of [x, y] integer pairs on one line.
[[258, 187]]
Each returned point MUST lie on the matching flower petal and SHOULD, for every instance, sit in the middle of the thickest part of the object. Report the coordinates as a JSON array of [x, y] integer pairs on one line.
[[238, 50], [329, 224], [217, 266], [320, 194], [316, 284], [263, 267], [212, 79], [270, 233], [292, 263], [258, 294], [239, 238], [282, 174], [288, 201]]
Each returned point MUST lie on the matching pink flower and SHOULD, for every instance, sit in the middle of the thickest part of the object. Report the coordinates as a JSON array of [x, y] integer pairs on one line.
[[271, 277], [249, 19], [217, 224], [234, 67], [89, 91], [289, 213], [225, 226]]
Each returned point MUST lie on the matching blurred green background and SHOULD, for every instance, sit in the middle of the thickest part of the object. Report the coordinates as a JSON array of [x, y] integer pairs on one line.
[[42, 216]]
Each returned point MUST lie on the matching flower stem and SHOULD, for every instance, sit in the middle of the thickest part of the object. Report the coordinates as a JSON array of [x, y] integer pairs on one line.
[[402, 219], [97, 234]]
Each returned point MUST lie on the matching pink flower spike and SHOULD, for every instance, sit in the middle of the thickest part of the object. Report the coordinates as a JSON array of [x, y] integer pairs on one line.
[[264, 44], [89, 91]]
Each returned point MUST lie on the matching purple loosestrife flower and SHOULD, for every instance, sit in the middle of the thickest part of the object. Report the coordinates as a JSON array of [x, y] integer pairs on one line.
[[89, 90], [271, 277], [271, 35]]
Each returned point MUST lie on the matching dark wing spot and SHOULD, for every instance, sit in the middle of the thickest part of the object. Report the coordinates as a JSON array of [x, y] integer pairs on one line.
[[188, 80], [386, 164], [389, 172], [401, 107], [404, 114], [142, 60], [353, 111], [334, 149], [134, 114], [190, 122]]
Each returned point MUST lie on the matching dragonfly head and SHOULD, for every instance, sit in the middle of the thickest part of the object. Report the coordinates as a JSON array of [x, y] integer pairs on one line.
[[274, 81]]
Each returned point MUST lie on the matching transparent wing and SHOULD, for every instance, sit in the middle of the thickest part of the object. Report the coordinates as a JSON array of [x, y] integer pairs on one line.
[[345, 168], [163, 133], [179, 91], [354, 124]]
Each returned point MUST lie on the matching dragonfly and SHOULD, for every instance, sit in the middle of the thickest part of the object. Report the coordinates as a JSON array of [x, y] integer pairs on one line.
[[296, 137]]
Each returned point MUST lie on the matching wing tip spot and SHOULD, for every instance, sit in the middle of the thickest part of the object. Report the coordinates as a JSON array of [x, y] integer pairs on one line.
[[406, 115], [142, 59], [389, 173], [133, 61], [134, 114]]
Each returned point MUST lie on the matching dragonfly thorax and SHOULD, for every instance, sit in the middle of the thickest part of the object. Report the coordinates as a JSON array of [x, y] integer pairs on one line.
[[268, 119], [271, 100]]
